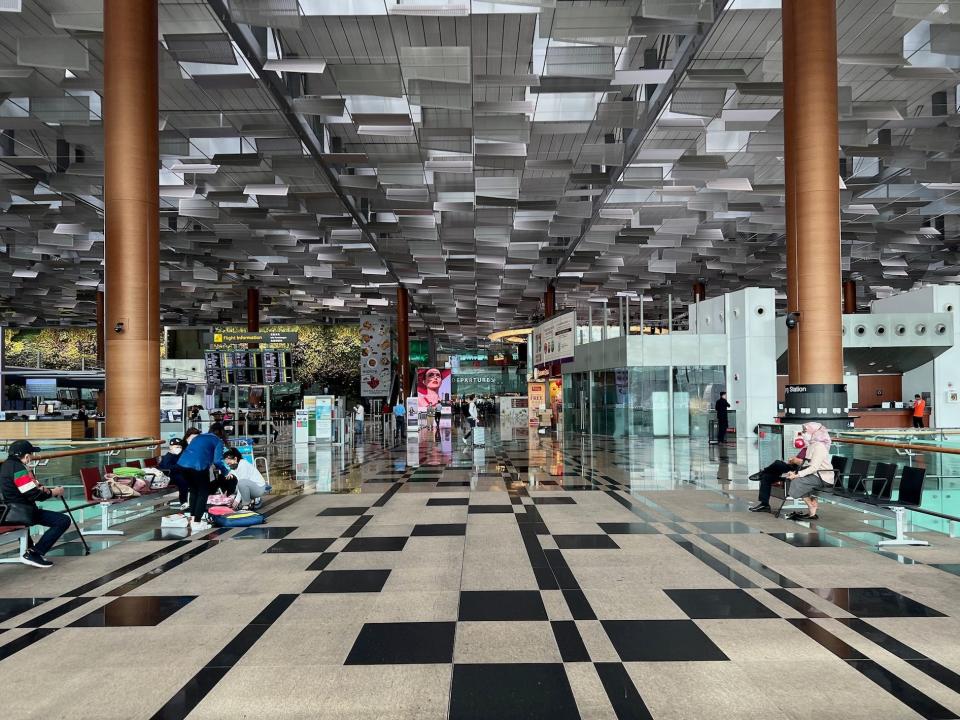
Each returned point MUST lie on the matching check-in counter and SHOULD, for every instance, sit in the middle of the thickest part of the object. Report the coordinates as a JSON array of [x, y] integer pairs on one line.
[[885, 418], [53, 429]]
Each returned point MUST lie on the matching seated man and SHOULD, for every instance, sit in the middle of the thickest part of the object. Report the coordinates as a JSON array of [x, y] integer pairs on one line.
[[773, 473], [22, 491], [250, 483]]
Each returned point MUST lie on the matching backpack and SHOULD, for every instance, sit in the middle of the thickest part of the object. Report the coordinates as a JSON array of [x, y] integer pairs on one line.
[[242, 518]]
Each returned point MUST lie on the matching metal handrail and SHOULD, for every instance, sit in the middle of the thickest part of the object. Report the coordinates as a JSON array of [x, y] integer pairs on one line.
[[896, 445], [96, 450]]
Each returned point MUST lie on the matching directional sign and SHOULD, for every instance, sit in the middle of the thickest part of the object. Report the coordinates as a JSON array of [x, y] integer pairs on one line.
[[224, 338]]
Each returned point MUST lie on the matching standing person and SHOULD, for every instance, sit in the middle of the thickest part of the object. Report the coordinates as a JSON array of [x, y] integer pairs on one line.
[[919, 406], [358, 413], [250, 483], [203, 452], [168, 463], [400, 421], [818, 472], [18, 487], [722, 419], [473, 415]]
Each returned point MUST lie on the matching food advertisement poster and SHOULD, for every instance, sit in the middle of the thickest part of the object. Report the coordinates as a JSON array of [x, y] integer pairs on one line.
[[433, 386], [375, 356]]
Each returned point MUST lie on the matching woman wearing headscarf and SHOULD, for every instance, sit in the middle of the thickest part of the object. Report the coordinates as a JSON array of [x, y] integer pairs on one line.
[[818, 472]]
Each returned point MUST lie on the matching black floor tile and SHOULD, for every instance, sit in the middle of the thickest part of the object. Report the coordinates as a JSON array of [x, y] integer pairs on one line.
[[321, 562], [806, 539], [50, 615], [621, 692], [403, 643], [530, 691], [264, 533], [439, 529], [554, 501], [376, 544], [827, 639], [345, 581], [628, 528], [447, 501], [300, 545], [660, 640], [723, 528], [585, 542], [569, 642], [501, 605], [453, 483], [876, 603], [11, 607], [342, 511], [134, 611], [727, 603], [902, 690], [797, 603], [486, 509]]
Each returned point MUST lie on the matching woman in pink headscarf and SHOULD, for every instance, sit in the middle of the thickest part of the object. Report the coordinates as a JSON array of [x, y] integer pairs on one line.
[[818, 472]]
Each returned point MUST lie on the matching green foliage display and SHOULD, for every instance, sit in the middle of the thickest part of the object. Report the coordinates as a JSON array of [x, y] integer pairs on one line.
[[67, 348]]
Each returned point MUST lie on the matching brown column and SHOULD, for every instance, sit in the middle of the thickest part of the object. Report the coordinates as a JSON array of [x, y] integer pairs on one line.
[[813, 206], [131, 252], [100, 320], [699, 291], [549, 302], [403, 339], [849, 297], [253, 310]]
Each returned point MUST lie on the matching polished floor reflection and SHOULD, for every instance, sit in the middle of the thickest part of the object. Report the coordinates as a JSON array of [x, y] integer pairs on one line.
[[531, 578]]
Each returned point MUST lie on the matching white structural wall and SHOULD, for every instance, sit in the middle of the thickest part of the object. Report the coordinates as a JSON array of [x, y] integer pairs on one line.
[[748, 318], [943, 373]]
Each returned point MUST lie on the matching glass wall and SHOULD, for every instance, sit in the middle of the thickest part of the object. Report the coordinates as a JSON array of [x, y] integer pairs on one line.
[[636, 401]]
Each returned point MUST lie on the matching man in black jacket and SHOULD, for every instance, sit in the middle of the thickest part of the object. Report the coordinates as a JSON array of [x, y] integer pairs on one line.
[[723, 421], [18, 486]]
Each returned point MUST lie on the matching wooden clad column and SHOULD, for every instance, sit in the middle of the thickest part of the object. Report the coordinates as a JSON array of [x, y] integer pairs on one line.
[[132, 219], [699, 291], [549, 302], [849, 297], [403, 340], [811, 156], [100, 335]]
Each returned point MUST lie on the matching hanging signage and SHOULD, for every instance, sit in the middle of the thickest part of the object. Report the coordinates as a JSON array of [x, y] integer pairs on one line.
[[223, 338], [375, 356], [553, 339]]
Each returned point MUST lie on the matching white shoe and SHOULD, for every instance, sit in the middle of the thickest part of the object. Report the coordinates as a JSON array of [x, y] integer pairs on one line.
[[199, 527]]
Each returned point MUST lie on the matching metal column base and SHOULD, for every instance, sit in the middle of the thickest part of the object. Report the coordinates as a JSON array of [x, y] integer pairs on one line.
[[104, 523], [900, 539]]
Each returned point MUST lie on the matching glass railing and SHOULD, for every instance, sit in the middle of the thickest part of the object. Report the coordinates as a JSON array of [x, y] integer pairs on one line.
[[936, 451]]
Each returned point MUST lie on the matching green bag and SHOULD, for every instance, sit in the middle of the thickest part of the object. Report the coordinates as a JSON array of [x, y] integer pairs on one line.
[[129, 472]]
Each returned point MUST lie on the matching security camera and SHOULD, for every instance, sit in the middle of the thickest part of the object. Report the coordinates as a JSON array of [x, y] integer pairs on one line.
[[118, 328], [792, 320]]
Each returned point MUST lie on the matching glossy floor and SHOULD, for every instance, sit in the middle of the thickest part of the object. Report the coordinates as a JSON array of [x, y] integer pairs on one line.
[[530, 578]]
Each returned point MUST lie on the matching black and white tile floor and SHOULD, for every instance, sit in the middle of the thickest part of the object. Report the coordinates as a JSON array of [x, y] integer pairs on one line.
[[525, 580]]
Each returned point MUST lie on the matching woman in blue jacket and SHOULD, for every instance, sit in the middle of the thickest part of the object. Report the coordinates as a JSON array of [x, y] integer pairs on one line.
[[202, 453]]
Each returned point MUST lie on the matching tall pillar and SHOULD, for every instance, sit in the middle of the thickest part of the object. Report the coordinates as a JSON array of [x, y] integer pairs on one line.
[[849, 297], [699, 291], [816, 390], [132, 218], [403, 339], [100, 335], [549, 302], [253, 310]]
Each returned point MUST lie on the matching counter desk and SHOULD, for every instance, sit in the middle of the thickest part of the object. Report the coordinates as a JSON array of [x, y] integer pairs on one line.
[[53, 429], [867, 418]]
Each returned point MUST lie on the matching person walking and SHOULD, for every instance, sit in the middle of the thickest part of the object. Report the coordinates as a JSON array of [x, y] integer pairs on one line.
[[203, 453], [473, 417], [722, 406], [21, 492], [358, 414], [919, 407], [400, 421]]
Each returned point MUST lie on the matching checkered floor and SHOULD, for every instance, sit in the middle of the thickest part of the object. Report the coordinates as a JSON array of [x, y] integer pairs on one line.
[[528, 579]]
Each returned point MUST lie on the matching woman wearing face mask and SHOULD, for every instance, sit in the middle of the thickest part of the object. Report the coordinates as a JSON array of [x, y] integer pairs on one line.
[[818, 472]]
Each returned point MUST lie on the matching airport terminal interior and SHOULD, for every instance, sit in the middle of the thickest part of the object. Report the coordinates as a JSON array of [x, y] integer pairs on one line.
[[529, 359]]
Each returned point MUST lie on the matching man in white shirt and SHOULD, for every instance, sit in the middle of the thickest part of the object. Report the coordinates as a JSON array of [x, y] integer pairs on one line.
[[250, 483], [358, 413], [474, 414]]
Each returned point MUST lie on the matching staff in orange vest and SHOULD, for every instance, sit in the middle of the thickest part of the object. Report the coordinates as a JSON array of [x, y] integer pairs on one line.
[[919, 406]]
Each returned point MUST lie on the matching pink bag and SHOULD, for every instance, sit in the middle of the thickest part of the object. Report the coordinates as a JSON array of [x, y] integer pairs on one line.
[[220, 510], [220, 499], [141, 486]]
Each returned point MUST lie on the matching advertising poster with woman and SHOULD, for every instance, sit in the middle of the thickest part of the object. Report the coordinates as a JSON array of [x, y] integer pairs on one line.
[[433, 385]]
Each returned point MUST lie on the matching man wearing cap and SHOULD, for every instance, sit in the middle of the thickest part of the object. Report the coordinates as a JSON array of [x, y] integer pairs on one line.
[[18, 486]]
